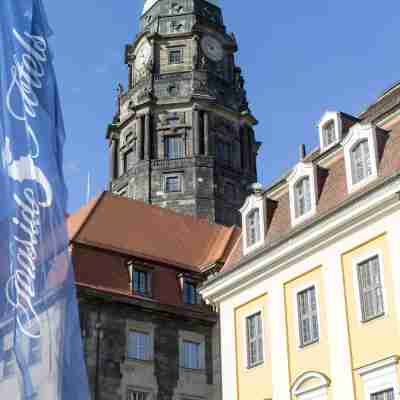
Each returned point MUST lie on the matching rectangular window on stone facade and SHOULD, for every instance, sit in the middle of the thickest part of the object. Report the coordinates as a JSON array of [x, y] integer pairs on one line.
[[255, 344], [175, 56], [371, 290], [137, 395], [384, 395], [129, 159], [139, 345], [174, 147], [173, 184], [191, 355], [308, 316]]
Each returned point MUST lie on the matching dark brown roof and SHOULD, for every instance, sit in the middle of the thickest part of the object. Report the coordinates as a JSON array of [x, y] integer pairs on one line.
[[332, 190], [150, 233]]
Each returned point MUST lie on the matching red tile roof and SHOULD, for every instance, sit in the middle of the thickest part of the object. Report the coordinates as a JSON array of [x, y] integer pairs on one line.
[[150, 233]]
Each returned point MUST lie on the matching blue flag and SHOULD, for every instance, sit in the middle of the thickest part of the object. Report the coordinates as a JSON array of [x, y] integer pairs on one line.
[[41, 355]]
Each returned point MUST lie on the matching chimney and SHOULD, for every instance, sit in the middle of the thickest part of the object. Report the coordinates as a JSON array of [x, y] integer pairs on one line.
[[302, 152]]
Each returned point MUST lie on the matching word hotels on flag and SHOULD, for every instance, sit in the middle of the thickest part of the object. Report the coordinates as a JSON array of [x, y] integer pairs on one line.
[[41, 354]]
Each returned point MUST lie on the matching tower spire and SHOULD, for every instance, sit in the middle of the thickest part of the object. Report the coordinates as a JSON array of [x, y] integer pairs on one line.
[[184, 138]]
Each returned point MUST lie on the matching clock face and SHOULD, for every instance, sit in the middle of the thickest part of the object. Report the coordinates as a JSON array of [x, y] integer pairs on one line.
[[212, 48], [143, 56]]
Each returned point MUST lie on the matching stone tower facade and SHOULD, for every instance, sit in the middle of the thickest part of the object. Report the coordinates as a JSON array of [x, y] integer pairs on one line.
[[183, 135]]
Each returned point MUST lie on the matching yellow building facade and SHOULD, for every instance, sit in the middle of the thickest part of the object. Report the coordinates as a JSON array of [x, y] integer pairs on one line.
[[309, 301]]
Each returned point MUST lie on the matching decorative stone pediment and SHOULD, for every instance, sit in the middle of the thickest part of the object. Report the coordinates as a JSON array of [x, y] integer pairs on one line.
[[311, 385]]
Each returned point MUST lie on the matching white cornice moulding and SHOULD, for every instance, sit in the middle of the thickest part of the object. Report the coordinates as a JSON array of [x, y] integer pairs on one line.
[[387, 362], [340, 223]]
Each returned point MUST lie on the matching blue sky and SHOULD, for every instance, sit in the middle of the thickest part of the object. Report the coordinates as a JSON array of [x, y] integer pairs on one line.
[[299, 59]]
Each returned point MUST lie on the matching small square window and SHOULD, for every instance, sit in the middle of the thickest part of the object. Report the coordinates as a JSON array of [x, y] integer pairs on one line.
[[173, 184], [139, 345], [175, 56], [191, 355]]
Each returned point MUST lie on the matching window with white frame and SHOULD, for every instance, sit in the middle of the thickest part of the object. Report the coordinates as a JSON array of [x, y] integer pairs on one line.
[[370, 287], [253, 227], [175, 55], [360, 161], [137, 395], [191, 355], [302, 197], [254, 332], [383, 395], [139, 345], [329, 133], [308, 316], [361, 155]]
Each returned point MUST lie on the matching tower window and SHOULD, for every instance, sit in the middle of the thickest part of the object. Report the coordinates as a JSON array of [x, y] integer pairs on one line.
[[129, 159], [329, 133], [173, 184], [253, 227], [224, 151], [302, 196], [174, 147], [361, 162], [175, 56]]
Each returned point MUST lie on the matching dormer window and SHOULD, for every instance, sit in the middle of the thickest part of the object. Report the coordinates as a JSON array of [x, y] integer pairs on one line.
[[329, 133], [140, 280], [361, 156], [303, 192], [330, 129], [360, 162], [254, 220], [253, 227], [302, 195]]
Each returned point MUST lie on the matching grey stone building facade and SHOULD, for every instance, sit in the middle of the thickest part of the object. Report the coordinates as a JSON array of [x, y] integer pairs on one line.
[[183, 136], [147, 334]]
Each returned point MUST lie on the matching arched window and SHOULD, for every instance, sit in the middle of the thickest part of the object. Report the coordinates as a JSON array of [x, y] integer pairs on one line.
[[329, 133], [360, 161], [302, 197], [253, 227]]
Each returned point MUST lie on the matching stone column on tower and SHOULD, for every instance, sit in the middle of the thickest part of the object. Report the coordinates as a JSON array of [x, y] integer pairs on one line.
[[147, 136], [196, 130], [140, 137]]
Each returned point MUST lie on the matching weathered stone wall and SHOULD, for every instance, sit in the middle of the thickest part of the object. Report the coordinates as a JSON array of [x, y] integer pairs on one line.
[[105, 324]]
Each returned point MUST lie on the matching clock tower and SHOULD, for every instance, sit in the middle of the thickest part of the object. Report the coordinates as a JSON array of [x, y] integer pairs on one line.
[[183, 134]]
